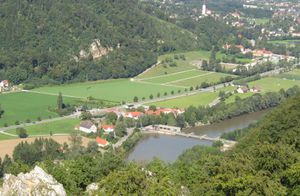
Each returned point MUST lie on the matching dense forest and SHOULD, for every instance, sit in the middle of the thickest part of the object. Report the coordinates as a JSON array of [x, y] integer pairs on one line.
[[264, 162], [40, 39]]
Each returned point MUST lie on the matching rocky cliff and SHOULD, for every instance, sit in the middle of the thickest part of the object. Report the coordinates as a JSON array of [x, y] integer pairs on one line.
[[35, 183]]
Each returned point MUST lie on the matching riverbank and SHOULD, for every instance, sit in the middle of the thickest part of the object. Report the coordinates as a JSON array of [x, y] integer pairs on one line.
[[169, 147]]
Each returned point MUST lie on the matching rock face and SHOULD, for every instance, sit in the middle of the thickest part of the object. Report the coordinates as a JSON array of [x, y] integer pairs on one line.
[[35, 183], [96, 51]]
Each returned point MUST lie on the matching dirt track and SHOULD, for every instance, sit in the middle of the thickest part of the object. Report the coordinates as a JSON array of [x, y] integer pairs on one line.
[[7, 146]]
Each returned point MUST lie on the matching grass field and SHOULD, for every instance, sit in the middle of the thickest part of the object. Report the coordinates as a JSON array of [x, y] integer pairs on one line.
[[191, 58], [274, 84], [6, 137], [285, 42], [65, 126], [201, 99], [209, 77], [292, 75], [114, 90], [27, 106], [231, 99]]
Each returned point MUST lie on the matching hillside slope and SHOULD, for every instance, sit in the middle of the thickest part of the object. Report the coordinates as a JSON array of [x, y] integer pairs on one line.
[[42, 40], [265, 162]]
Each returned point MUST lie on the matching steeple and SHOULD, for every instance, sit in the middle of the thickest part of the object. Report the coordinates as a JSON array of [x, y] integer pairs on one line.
[[204, 8]]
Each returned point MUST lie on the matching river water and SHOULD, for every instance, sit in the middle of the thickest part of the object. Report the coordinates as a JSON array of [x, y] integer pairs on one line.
[[168, 148]]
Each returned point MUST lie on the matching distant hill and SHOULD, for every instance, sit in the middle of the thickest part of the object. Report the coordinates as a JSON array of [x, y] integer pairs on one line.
[[58, 41]]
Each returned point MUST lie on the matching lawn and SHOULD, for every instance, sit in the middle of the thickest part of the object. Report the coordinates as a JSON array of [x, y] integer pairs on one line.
[[6, 137], [261, 21], [231, 99], [177, 76], [209, 77], [23, 106], [65, 126], [274, 84], [201, 99], [292, 75], [191, 60], [286, 42], [113, 90]]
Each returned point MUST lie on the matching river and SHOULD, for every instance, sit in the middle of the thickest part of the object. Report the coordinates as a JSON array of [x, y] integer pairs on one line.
[[168, 148]]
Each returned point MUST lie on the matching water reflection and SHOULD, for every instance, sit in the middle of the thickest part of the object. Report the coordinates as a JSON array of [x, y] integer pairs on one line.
[[168, 148]]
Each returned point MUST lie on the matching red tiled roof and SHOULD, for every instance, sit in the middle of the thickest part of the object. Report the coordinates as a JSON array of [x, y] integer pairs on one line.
[[108, 126], [134, 114], [101, 141]]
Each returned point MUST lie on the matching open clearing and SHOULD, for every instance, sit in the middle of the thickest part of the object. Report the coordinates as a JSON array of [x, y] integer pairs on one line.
[[23, 106], [7, 147], [65, 126]]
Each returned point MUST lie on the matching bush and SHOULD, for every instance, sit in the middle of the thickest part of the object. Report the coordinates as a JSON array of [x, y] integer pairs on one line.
[[17, 122], [21, 132]]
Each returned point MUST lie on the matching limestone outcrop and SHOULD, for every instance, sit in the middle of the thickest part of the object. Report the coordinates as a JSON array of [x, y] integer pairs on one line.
[[35, 183]]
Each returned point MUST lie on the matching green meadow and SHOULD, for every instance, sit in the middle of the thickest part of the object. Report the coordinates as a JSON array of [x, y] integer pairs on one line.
[[113, 90], [209, 77], [191, 58], [6, 137], [23, 106], [201, 99], [269, 84], [65, 126]]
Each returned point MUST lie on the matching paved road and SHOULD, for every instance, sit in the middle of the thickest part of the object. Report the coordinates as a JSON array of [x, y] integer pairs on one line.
[[123, 139]]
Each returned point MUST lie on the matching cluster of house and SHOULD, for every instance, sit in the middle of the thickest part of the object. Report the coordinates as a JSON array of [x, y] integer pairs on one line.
[[245, 89], [4, 85], [87, 126], [136, 114]]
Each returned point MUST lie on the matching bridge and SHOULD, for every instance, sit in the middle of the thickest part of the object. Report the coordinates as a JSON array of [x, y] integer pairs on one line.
[[191, 135]]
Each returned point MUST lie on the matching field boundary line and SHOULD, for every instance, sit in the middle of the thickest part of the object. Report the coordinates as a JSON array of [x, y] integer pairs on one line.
[[171, 74], [52, 94], [174, 81], [157, 84]]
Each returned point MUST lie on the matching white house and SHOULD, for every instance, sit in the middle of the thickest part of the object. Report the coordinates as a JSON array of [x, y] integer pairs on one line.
[[242, 89], [108, 128], [87, 126]]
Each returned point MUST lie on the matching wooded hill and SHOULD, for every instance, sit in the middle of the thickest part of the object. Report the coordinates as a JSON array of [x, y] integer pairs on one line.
[[39, 39]]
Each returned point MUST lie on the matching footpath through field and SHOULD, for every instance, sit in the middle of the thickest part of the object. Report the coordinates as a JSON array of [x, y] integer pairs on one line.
[[52, 94], [183, 79]]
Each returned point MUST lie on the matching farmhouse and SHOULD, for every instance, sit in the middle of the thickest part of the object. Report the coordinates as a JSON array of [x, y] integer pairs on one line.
[[101, 142], [87, 126], [255, 89], [262, 53], [242, 89], [4, 85], [108, 128], [134, 115], [164, 111]]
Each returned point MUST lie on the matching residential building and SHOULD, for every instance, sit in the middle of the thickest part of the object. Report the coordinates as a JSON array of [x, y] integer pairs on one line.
[[242, 89], [108, 128], [101, 142], [134, 115], [87, 126]]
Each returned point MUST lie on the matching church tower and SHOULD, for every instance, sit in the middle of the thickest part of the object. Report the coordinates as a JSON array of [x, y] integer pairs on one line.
[[204, 9]]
